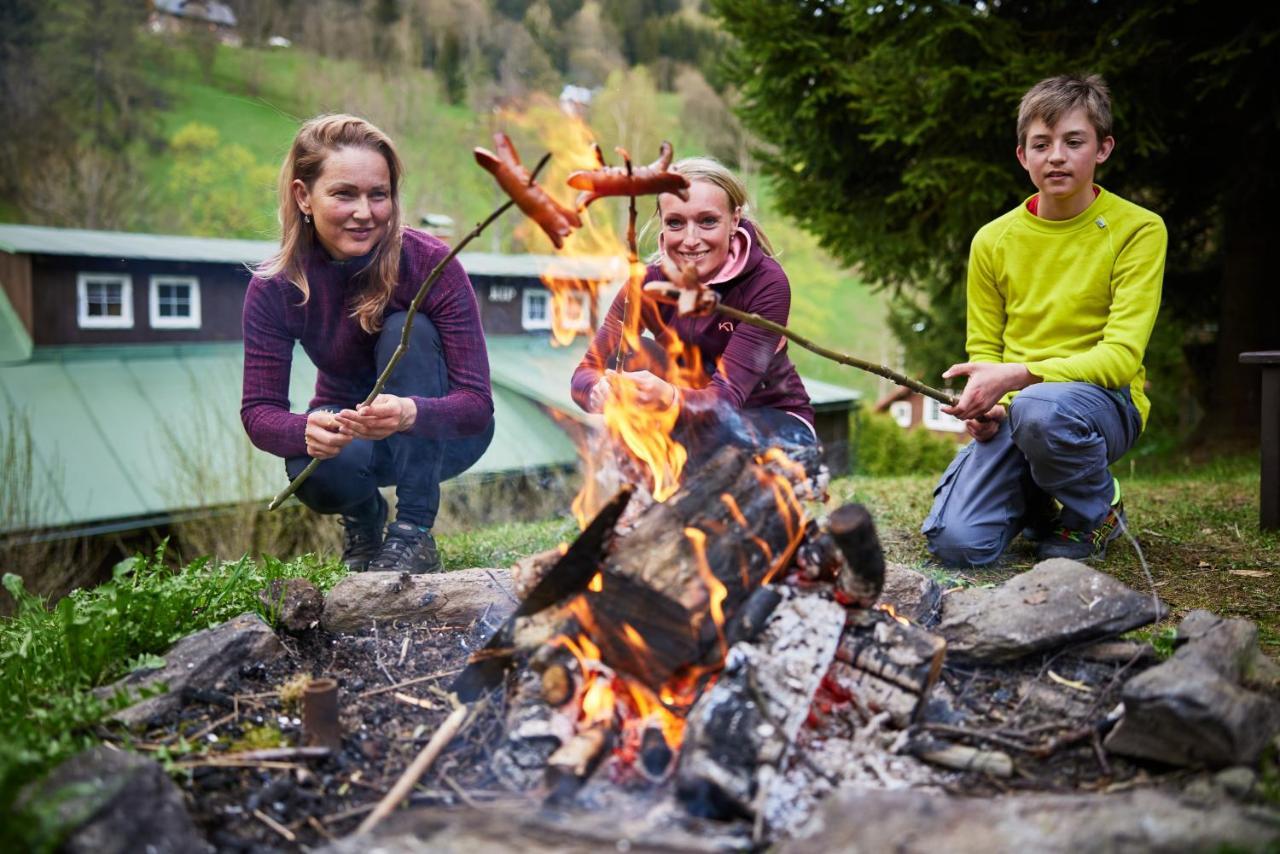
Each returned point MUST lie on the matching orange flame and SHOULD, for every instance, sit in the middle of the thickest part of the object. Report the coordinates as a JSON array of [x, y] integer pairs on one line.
[[715, 589], [892, 612]]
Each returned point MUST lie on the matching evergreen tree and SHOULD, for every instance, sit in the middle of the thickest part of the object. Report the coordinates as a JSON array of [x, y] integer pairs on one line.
[[891, 131]]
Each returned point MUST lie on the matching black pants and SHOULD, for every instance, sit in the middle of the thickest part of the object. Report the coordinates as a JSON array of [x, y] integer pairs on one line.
[[417, 466]]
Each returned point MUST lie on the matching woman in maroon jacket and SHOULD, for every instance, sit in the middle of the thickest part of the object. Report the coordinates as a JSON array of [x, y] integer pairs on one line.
[[749, 392], [341, 286]]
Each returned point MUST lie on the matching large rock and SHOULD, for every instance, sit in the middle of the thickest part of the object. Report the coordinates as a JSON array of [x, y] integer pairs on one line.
[[912, 594], [1137, 821], [1213, 703], [450, 597], [1057, 603], [206, 660], [106, 801]]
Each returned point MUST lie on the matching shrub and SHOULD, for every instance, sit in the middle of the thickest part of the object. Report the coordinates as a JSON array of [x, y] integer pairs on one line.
[[885, 449]]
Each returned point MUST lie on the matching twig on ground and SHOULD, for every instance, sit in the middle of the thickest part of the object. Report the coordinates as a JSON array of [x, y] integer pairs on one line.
[[407, 682], [404, 651], [403, 346], [320, 828], [350, 812], [419, 766], [494, 579], [459, 791], [275, 825]]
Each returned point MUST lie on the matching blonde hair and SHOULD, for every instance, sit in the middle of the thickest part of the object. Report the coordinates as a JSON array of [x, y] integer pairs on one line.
[[714, 172], [316, 139], [1054, 97]]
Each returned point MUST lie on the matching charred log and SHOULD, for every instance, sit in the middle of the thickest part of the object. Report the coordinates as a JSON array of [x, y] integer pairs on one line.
[[741, 729]]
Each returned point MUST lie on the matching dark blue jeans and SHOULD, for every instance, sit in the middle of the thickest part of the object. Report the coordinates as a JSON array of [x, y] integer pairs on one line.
[[416, 466], [1059, 439]]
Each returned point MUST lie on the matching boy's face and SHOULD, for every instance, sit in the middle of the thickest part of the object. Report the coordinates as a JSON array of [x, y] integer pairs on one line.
[[1061, 159]]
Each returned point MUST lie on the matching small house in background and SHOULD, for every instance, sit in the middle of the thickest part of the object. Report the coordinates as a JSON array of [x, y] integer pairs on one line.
[[912, 410], [178, 16], [122, 355]]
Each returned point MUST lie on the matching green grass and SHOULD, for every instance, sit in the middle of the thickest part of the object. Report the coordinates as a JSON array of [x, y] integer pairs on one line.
[[503, 544], [52, 659], [1197, 525]]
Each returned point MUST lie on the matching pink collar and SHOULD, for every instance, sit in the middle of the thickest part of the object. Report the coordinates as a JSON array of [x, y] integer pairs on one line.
[[739, 251]]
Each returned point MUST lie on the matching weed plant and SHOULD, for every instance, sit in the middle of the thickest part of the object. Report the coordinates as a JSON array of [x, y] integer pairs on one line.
[[51, 659]]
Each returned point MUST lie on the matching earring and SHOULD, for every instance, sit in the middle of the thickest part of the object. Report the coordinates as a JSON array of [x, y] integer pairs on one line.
[[306, 217]]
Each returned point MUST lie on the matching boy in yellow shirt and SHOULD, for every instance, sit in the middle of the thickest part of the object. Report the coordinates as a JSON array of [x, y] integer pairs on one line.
[[1063, 293]]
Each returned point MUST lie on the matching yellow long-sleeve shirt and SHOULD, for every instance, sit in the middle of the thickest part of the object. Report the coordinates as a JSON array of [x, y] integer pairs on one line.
[[1074, 300]]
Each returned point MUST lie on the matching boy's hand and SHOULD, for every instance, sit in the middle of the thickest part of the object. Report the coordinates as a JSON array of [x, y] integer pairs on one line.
[[386, 415], [988, 382], [985, 430]]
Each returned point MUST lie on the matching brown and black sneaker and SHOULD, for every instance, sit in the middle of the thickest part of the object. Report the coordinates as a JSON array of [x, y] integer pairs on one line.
[[407, 548], [362, 534]]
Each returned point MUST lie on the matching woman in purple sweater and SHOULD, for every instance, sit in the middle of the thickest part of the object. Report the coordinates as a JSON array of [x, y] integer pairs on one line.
[[749, 393], [341, 286]]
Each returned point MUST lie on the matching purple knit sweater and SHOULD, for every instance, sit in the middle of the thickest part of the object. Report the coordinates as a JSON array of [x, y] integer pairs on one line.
[[343, 353], [748, 369]]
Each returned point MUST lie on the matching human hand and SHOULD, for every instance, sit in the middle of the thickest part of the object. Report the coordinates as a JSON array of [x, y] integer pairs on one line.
[[987, 383], [645, 388], [324, 435], [986, 429], [384, 415], [599, 394]]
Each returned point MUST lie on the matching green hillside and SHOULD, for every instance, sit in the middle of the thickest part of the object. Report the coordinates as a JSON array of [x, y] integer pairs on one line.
[[253, 99]]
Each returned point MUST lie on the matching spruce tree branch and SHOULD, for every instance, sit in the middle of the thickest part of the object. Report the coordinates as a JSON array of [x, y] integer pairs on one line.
[[403, 346]]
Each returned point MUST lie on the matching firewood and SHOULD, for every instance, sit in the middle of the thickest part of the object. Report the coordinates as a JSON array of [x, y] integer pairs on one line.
[[961, 757]]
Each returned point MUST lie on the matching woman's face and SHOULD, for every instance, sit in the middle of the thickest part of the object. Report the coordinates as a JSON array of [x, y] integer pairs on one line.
[[350, 202], [698, 231]]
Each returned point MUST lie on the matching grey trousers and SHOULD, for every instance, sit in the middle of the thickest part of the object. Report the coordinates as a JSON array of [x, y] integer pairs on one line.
[[1059, 439]]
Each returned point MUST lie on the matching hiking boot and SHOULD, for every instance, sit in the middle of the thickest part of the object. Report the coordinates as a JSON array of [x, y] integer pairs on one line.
[[1086, 545], [1041, 518], [362, 536], [407, 548]]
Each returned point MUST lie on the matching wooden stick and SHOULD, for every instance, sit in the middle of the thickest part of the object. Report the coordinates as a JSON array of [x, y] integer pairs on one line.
[[417, 768], [275, 825], [403, 346], [842, 358], [414, 681], [633, 258]]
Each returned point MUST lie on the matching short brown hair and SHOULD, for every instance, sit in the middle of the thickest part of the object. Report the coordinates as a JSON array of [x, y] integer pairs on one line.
[[1053, 98]]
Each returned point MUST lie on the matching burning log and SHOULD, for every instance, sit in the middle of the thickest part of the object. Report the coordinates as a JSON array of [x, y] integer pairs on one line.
[[572, 765], [740, 730], [846, 549], [888, 664], [664, 598], [535, 730]]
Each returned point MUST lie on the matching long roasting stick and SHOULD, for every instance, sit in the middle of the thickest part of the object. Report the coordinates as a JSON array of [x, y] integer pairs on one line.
[[403, 346], [842, 358]]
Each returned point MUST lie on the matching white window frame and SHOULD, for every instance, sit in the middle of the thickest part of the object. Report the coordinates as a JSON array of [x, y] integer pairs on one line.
[[936, 419], [526, 299], [900, 411], [192, 321], [85, 321], [583, 298]]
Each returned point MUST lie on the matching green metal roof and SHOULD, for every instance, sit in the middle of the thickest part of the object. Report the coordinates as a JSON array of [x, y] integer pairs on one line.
[[42, 240], [532, 365], [15, 341], [153, 430]]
